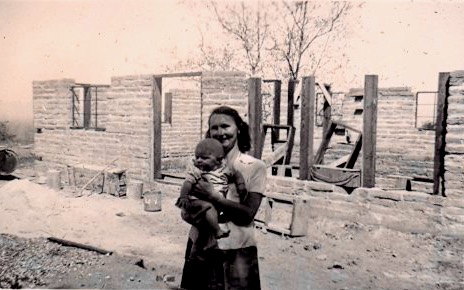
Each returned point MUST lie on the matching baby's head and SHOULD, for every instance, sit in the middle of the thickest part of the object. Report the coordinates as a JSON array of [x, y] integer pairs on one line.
[[208, 154]]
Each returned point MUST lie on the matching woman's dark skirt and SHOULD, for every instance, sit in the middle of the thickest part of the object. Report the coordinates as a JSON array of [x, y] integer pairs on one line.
[[216, 269]]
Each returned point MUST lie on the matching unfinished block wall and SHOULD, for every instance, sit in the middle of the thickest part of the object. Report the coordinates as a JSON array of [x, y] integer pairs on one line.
[[125, 111], [50, 110], [125, 117], [223, 88], [402, 149], [396, 209], [454, 144]]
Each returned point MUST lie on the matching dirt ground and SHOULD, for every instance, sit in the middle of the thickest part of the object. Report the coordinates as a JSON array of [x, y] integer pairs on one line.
[[147, 247]]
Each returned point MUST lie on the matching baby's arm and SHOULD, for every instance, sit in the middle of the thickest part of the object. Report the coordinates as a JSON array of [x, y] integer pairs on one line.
[[185, 191]]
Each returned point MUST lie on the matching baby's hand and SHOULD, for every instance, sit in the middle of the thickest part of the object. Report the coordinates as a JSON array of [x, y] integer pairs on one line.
[[204, 190], [182, 202]]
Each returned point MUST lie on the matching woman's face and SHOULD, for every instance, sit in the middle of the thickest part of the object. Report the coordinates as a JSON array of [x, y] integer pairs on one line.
[[223, 128]]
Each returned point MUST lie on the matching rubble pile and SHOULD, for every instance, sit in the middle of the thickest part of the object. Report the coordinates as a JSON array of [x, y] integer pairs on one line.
[[35, 263]]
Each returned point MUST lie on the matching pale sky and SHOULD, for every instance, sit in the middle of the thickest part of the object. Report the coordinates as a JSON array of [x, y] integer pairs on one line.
[[406, 43]]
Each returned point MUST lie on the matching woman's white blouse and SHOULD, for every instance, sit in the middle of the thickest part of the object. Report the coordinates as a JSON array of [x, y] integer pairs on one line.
[[254, 173]]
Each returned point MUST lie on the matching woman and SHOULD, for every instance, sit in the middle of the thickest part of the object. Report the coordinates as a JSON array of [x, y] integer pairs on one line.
[[233, 262]]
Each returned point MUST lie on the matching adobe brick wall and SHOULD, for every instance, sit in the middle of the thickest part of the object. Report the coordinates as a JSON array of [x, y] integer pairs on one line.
[[454, 143], [50, 110], [404, 211], [125, 111], [220, 88], [402, 149]]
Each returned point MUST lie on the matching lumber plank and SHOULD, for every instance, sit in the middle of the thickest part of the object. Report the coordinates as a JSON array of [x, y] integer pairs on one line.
[[79, 245]]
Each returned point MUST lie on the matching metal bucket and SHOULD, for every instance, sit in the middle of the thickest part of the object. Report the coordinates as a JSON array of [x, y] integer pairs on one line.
[[8, 161], [54, 179], [135, 189], [152, 201]]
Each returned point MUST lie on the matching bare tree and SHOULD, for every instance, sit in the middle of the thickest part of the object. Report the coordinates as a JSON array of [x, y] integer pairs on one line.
[[206, 58], [299, 37], [248, 26], [5, 132], [305, 25], [216, 58]]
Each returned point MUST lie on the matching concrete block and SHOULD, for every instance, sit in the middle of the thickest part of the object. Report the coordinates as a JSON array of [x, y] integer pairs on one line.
[[393, 195], [453, 229], [456, 201], [413, 196], [365, 192], [454, 212]]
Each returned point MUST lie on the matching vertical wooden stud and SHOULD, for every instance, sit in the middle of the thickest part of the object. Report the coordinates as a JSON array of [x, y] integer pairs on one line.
[[369, 130], [308, 101], [291, 93], [440, 134], [157, 90], [255, 116], [276, 109]]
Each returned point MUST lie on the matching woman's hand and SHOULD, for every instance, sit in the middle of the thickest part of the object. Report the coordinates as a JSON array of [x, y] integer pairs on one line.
[[205, 191]]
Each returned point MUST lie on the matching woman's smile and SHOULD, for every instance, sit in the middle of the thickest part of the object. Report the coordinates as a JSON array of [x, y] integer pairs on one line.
[[223, 128]]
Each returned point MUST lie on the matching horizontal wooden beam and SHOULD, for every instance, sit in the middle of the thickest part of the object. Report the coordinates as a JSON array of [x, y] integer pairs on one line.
[[179, 75], [79, 85], [276, 126]]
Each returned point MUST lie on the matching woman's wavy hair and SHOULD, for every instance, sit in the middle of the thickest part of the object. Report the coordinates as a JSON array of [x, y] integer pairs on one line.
[[243, 134]]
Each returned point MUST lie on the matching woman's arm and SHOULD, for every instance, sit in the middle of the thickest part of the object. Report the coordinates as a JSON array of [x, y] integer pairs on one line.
[[241, 213]]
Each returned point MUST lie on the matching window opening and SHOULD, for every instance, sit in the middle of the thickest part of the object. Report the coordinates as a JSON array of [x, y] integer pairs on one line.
[[85, 106], [426, 106]]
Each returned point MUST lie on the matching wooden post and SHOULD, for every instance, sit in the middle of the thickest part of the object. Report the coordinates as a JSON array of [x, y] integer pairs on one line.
[[440, 134], [73, 106], [168, 108], [277, 93], [96, 107], [157, 90], [255, 116], [87, 106], [308, 101], [369, 130], [291, 92], [327, 113]]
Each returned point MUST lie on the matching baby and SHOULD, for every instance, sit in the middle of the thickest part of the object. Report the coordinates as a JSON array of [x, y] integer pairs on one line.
[[209, 166]]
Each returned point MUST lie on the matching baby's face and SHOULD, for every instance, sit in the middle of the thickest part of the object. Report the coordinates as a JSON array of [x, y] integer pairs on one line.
[[206, 161]]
